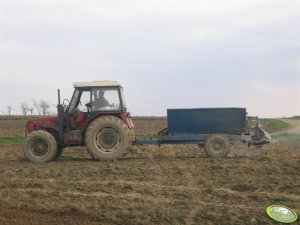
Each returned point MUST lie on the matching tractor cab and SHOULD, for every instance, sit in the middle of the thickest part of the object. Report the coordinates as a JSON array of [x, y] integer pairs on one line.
[[91, 100], [97, 96]]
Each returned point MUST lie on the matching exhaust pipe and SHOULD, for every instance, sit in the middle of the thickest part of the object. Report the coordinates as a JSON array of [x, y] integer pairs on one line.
[[60, 118], [58, 94]]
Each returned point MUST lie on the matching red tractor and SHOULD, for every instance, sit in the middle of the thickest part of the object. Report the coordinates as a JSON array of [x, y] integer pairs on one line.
[[96, 117]]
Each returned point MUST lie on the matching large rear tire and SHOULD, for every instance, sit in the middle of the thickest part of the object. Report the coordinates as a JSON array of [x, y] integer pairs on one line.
[[217, 146], [108, 138], [40, 146]]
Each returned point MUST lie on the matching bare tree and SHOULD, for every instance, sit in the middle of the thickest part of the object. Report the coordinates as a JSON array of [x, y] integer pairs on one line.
[[36, 105], [31, 110], [44, 106], [9, 109], [24, 107]]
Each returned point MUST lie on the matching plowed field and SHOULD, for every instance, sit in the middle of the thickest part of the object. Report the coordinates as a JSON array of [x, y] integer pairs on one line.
[[171, 184]]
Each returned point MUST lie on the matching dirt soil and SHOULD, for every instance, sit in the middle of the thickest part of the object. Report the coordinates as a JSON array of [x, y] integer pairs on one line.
[[171, 184]]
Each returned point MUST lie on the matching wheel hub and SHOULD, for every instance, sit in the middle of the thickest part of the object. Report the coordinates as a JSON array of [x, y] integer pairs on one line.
[[108, 140], [39, 147], [217, 145]]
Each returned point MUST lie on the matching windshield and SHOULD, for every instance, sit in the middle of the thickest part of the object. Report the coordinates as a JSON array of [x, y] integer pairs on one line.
[[74, 100]]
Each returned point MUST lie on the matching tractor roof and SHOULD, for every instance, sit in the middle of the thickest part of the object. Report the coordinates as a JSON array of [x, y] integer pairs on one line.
[[104, 83]]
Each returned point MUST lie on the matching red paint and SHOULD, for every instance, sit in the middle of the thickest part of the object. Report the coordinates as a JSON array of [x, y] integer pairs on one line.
[[127, 119], [78, 121], [123, 116], [44, 122]]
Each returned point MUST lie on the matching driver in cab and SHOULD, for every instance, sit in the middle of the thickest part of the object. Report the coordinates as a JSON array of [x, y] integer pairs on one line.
[[99, 100]]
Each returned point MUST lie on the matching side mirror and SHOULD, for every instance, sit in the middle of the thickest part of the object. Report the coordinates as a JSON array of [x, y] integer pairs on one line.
[[66, 102]]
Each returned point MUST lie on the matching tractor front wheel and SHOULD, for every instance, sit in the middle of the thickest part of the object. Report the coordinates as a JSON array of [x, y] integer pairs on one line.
[[217, 146], [59, 152], [108, 138], [40, 146]]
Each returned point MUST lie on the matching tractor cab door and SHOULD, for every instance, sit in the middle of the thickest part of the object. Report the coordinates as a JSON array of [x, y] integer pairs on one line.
[[80, 101], [77, 112]]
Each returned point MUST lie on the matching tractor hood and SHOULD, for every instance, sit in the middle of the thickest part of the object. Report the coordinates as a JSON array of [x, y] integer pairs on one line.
[[41, 122]]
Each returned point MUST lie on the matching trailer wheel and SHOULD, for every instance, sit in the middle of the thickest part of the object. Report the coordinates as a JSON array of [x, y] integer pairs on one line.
[[108, 138], [217, 146], [40, 146]]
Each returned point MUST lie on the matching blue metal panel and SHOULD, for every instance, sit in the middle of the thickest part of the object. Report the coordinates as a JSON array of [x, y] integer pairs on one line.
[[146, 142], [183, 138], [187, 139], [207, 120]]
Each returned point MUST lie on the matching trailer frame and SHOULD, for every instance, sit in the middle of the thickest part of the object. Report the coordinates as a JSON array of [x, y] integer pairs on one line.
[[171, 138]]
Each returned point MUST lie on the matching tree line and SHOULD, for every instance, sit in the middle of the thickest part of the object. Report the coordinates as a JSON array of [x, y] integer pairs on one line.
[[39, 107]]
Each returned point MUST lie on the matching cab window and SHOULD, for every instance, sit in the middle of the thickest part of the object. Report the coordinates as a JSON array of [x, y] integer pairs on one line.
[[105, 99]]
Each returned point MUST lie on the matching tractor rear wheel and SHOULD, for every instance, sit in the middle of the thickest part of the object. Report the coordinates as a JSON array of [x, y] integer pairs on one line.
[[217, 146], [108, 138], [40, 146]]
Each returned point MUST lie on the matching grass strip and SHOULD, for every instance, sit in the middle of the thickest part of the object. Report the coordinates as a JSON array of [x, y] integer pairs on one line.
[[276, 123], [5, 140], [295, 117]]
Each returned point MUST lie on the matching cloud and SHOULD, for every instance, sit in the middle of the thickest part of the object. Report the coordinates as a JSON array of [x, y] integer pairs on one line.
[[166, 53]]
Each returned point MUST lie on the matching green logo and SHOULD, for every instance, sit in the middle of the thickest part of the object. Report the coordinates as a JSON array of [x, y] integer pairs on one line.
[[281, 214]]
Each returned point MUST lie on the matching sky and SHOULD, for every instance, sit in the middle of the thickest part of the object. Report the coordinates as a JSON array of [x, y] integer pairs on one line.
[[166, 54]]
